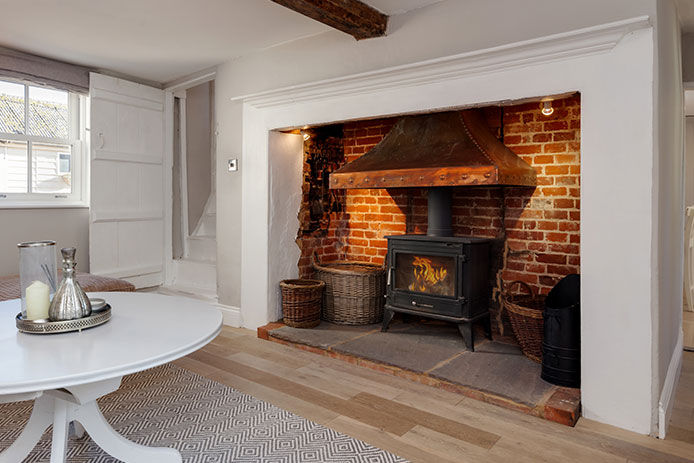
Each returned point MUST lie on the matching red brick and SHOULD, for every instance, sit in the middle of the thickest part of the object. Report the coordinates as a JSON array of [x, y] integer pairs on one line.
[[566, 180], [560, 269], [512, 139], [564, 203], [542, 137], [520, 276], [554, 148], [564, 136], [547, 225], [527, 149], [369, 141], [551, 258], [544, 159], [569, 226], [557, 237], [556, 125], [556, 170]]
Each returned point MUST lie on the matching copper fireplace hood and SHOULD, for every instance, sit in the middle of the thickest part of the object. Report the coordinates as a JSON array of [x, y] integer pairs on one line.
[[454, 148]]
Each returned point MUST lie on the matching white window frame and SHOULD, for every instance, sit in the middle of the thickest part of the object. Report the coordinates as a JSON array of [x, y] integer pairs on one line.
[[77, 109]]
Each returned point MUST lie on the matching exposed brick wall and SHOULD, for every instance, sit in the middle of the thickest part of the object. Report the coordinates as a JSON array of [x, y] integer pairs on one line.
[[541, 225]]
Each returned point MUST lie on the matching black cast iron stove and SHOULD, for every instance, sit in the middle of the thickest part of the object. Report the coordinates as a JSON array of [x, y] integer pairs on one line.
[[439, 275]]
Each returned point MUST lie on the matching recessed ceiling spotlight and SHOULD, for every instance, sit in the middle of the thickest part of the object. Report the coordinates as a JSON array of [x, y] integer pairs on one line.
[[547, 108]]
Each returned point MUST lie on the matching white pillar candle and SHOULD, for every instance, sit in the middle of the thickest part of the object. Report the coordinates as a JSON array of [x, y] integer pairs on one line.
[[37, 300]]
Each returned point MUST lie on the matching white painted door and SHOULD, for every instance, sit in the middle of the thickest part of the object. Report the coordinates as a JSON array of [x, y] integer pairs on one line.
[[126, 229], [689, 217]]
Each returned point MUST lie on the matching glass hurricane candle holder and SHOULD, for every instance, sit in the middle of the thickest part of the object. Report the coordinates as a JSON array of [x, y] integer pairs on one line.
[[37, 277]]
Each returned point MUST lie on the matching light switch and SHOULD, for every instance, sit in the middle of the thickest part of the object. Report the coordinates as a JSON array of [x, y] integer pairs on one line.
[[233, 165]]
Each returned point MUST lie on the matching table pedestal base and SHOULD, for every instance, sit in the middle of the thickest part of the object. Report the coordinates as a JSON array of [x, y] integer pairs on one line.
[[78, 404]]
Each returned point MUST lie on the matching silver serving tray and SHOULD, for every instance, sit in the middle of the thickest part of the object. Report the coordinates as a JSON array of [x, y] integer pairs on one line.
[[65, 326]]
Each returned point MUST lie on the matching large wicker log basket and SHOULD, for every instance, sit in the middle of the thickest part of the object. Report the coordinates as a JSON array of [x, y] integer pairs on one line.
[[525, 312], [354, 291], [301, 302]]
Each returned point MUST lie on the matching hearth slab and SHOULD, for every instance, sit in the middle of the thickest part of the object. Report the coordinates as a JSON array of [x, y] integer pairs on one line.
[[324, 335], [512, 381], [500, 369], [417, 347]]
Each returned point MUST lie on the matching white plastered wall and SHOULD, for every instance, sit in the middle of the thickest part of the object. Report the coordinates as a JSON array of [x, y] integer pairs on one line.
[[668, 224], [616, 86], [443, 29]]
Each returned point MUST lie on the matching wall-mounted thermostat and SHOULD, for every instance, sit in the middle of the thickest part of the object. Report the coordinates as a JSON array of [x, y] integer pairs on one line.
[[233, 165]]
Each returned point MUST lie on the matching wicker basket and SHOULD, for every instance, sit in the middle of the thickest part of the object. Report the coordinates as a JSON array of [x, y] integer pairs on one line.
[[354, 292], [301, 302], [525, 312]]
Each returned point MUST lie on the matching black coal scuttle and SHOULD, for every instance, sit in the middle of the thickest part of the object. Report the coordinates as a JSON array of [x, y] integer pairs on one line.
[[561, 346]]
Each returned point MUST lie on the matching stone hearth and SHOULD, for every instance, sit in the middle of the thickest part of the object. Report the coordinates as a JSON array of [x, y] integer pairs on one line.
[[432, 353]]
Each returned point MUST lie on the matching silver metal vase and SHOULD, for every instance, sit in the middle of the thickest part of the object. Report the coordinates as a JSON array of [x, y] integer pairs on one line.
[[70, 301]]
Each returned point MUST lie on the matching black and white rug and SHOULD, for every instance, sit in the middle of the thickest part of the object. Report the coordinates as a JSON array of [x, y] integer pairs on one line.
[[205, 420]]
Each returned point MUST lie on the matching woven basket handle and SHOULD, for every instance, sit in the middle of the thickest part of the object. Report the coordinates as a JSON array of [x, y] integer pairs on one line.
[[315, 260], [522, 284]]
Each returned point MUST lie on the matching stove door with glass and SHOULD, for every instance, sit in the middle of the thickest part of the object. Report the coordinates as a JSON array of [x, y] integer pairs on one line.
[[426, 277]]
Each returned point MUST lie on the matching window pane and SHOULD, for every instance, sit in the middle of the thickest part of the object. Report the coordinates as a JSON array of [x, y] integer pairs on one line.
[[47, 175], [13, 166], [11, 107], [48, 112]]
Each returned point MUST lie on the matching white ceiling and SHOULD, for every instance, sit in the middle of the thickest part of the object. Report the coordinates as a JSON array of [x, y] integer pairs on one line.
[[393, 7], [157, 40]]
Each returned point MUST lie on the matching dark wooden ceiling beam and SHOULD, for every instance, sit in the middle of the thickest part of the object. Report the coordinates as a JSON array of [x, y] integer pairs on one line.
[[351, 16]]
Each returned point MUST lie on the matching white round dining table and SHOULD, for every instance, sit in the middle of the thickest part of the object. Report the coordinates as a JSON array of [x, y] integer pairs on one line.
[[65, 373]]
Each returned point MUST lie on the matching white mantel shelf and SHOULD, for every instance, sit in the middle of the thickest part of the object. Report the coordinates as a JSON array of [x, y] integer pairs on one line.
[[585, 41]]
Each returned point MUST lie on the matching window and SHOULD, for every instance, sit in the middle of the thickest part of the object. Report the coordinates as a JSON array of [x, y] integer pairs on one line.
[[64, 163], [41, 160]]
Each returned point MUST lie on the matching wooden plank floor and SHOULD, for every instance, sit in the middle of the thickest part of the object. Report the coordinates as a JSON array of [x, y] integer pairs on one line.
[[421, 423]]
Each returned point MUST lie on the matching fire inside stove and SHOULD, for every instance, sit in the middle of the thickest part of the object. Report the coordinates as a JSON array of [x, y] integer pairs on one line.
[[425, 274]]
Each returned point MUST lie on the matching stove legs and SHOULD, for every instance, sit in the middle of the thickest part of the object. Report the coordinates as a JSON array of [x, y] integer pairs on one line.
[[467, 331], [387, 318], [468, 336], [488, 327]]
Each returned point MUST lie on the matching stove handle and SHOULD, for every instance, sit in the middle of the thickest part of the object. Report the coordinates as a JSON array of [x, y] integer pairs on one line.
[[419, 304]]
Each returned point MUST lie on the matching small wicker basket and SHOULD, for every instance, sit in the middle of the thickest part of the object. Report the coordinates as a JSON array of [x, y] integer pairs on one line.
[[354, 292], [525, 312], [301, 302]]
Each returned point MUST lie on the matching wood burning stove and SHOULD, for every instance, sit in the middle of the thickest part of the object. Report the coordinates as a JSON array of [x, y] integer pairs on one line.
[[441, 277]]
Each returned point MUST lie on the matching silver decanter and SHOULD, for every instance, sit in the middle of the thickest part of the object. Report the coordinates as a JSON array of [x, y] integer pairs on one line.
[[70, 301]]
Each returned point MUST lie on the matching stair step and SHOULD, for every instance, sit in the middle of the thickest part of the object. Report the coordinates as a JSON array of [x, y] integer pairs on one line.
[[202, 248], [194, 274], [197, 293], [207, 225]]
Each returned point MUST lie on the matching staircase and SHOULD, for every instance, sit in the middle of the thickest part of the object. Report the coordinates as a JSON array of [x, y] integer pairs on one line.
[[196, 272]]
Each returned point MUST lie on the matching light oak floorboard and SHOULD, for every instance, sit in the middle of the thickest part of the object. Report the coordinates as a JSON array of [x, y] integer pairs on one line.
[[421, 423]]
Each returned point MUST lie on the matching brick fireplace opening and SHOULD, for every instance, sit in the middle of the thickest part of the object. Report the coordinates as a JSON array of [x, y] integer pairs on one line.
[[532, 234], [535, 231]]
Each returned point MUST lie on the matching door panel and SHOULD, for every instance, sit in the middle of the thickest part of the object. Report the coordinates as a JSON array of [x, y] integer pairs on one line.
[[127, 181]]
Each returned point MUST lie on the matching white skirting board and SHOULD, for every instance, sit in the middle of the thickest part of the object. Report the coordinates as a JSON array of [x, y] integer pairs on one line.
[[667, 397], [231, 315]]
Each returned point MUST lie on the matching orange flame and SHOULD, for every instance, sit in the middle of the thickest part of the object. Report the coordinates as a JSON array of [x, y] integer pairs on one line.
[[426, 274]]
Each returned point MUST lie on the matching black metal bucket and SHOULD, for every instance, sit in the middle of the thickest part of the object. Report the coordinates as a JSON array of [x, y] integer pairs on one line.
[[561, 347]]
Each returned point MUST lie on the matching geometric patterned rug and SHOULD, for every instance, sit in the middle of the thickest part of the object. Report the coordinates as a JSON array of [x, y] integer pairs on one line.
[[206, 421]]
